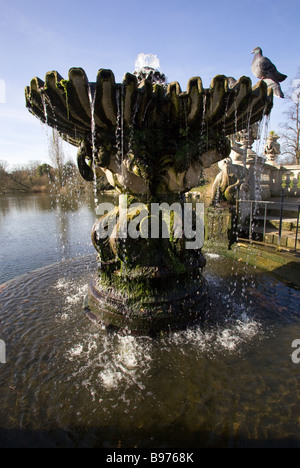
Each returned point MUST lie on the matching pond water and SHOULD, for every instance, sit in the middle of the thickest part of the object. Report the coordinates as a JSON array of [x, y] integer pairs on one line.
[[228, 382], [37, 230]]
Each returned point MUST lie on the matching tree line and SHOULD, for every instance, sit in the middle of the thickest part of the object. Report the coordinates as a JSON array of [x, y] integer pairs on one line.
[[37, 177], [61, 176]]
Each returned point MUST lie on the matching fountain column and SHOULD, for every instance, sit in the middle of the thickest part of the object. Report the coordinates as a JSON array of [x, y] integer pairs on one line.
[[148, 280]]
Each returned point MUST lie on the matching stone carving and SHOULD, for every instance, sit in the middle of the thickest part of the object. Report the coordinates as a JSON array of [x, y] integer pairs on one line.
[[232, 180], [146, 137], [272, 147]]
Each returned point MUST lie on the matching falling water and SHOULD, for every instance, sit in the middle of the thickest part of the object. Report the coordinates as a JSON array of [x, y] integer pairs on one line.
[[235, 112], [46, 105], [119, 133], [146, 110], [202, 131], [260, 142], [92, 99], [120, 127], [186, 133], [263, 127], [43, 97], [249, 115], [225, 114], [132, 125]]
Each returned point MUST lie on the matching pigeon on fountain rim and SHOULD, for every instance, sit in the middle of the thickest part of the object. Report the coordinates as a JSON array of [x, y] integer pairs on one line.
[[264, 69]]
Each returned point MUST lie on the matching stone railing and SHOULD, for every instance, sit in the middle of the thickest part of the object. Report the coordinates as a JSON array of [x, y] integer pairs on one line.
[[274, 178], [290, 177]]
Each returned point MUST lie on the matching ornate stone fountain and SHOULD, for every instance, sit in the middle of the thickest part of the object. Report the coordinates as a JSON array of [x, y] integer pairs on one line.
[[152, 141]]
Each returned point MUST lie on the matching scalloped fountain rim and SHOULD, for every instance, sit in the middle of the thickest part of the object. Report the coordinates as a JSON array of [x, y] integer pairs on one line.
[[227, 106]]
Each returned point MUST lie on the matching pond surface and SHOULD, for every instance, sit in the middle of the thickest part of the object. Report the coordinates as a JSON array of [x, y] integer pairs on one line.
[[227, 382], [37, 230]]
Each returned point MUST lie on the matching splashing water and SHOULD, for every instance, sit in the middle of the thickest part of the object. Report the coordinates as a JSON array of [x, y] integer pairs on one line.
[[146, 67], [146, 60]]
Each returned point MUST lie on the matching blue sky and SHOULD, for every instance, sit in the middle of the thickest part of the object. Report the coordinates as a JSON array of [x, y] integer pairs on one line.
[[190, 38]]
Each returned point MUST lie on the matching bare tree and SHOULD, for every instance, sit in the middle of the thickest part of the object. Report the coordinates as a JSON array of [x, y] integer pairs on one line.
[[3, 170], [3, 174], [291, 134]]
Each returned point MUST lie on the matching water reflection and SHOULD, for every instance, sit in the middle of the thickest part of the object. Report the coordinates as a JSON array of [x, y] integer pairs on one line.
[[37, 230]]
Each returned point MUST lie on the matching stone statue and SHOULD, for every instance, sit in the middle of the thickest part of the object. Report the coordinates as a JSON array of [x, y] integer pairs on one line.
[[232, 179], [272, 147]]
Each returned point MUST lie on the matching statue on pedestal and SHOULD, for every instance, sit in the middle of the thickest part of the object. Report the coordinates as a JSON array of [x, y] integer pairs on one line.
[[272, 147]]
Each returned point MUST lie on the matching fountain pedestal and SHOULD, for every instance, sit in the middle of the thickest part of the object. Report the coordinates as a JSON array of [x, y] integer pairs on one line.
[[222, 224], [149, 280], [170, 303]]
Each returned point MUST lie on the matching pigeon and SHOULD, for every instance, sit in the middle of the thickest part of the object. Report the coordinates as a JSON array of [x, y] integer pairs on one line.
[[277, 91], [265, 70]]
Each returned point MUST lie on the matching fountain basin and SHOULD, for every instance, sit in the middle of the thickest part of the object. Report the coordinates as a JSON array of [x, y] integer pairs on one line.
[[147, 137], [229, 382], [66, 104]]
